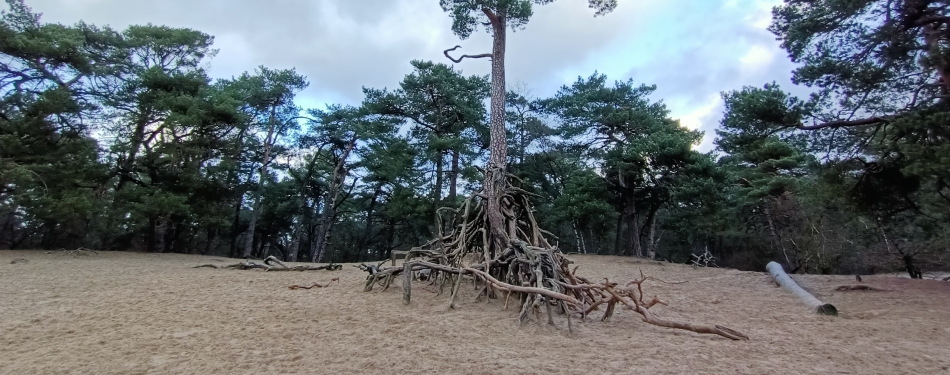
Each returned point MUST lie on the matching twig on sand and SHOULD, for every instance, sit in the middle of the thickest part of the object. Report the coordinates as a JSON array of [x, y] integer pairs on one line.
[[315, 285]]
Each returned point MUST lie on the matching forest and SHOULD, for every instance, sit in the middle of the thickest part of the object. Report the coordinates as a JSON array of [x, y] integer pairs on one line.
[[120, 140]]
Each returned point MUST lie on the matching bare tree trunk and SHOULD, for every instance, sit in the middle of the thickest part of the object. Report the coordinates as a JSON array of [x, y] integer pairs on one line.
[[255, 212], [454, 178], [437, 189], [775, 235], [294, 247], [580, 239], [651, 235], [497, 168], [368, 229], [632, 217], [328, 214]]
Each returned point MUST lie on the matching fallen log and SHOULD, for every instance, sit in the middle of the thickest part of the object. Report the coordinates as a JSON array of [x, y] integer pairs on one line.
[[780, 277]]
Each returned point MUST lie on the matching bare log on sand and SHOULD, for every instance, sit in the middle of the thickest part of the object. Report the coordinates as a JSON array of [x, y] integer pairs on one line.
[[782, 278]]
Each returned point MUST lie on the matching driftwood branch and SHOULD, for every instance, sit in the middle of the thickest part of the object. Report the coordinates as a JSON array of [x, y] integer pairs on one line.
[[458, 60]]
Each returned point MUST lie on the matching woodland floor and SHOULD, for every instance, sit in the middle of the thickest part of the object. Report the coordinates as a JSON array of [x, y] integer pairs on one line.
[[129, 313]]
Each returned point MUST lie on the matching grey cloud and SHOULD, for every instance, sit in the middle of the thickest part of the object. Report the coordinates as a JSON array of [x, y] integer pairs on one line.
[[343, 45]]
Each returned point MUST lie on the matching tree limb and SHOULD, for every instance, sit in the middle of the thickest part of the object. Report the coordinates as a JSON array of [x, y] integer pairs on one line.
[[446, 53], [842, 123]]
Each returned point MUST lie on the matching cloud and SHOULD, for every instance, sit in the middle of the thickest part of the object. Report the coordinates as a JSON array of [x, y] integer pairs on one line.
[[692, 49]]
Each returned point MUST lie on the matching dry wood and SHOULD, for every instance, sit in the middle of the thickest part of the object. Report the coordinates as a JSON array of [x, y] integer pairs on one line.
[[249, 265], [316, 285], [782, 278], [523, 264]]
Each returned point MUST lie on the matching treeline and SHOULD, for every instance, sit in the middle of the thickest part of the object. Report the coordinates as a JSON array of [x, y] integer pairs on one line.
[[120, 140]]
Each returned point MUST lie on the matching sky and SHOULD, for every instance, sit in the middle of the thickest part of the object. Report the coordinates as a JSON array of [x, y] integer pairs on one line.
[[691, 49]]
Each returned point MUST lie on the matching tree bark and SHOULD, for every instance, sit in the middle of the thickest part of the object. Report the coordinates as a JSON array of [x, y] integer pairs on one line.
[[437, 189], [496, 170], [633, 230]]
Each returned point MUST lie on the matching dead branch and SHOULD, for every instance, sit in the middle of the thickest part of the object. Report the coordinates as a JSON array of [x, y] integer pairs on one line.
[[315, 285], [479, 56], [19, 261]]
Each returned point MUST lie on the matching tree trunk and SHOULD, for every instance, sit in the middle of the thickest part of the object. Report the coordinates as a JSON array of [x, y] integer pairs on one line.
[[633, 229], [618, 236], [255, 212], [580, 239], [159, 241], [496, 170], [322, 233], [368, 229], [437, 189], [126, 165], [211, 238], [294, 247], [328, 214], [454, 178], [651, 235], [775, 236]]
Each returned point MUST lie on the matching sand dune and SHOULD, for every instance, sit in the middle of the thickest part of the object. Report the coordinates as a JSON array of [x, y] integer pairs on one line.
[[126, 313]]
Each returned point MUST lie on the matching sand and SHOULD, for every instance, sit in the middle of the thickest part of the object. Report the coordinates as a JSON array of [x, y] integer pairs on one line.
[[129, 313]]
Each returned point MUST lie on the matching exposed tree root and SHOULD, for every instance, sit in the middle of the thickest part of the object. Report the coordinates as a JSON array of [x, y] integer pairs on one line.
[[523, 265], [316, 285]]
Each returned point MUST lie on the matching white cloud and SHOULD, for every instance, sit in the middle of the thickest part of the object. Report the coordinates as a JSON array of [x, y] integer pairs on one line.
[[693, 117], [757, 59]]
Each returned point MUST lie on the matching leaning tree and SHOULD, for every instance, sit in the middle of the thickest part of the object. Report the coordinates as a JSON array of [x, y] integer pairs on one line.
[[494, 236]]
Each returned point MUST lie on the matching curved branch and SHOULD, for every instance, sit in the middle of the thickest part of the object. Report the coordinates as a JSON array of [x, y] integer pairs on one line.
[[446, 52], [842, 124]]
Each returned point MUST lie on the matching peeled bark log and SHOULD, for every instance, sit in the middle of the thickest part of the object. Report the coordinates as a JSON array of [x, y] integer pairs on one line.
[[778, 273]]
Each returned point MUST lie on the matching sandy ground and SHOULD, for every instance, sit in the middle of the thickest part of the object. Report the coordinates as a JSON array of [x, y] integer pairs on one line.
[[125, 313]]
